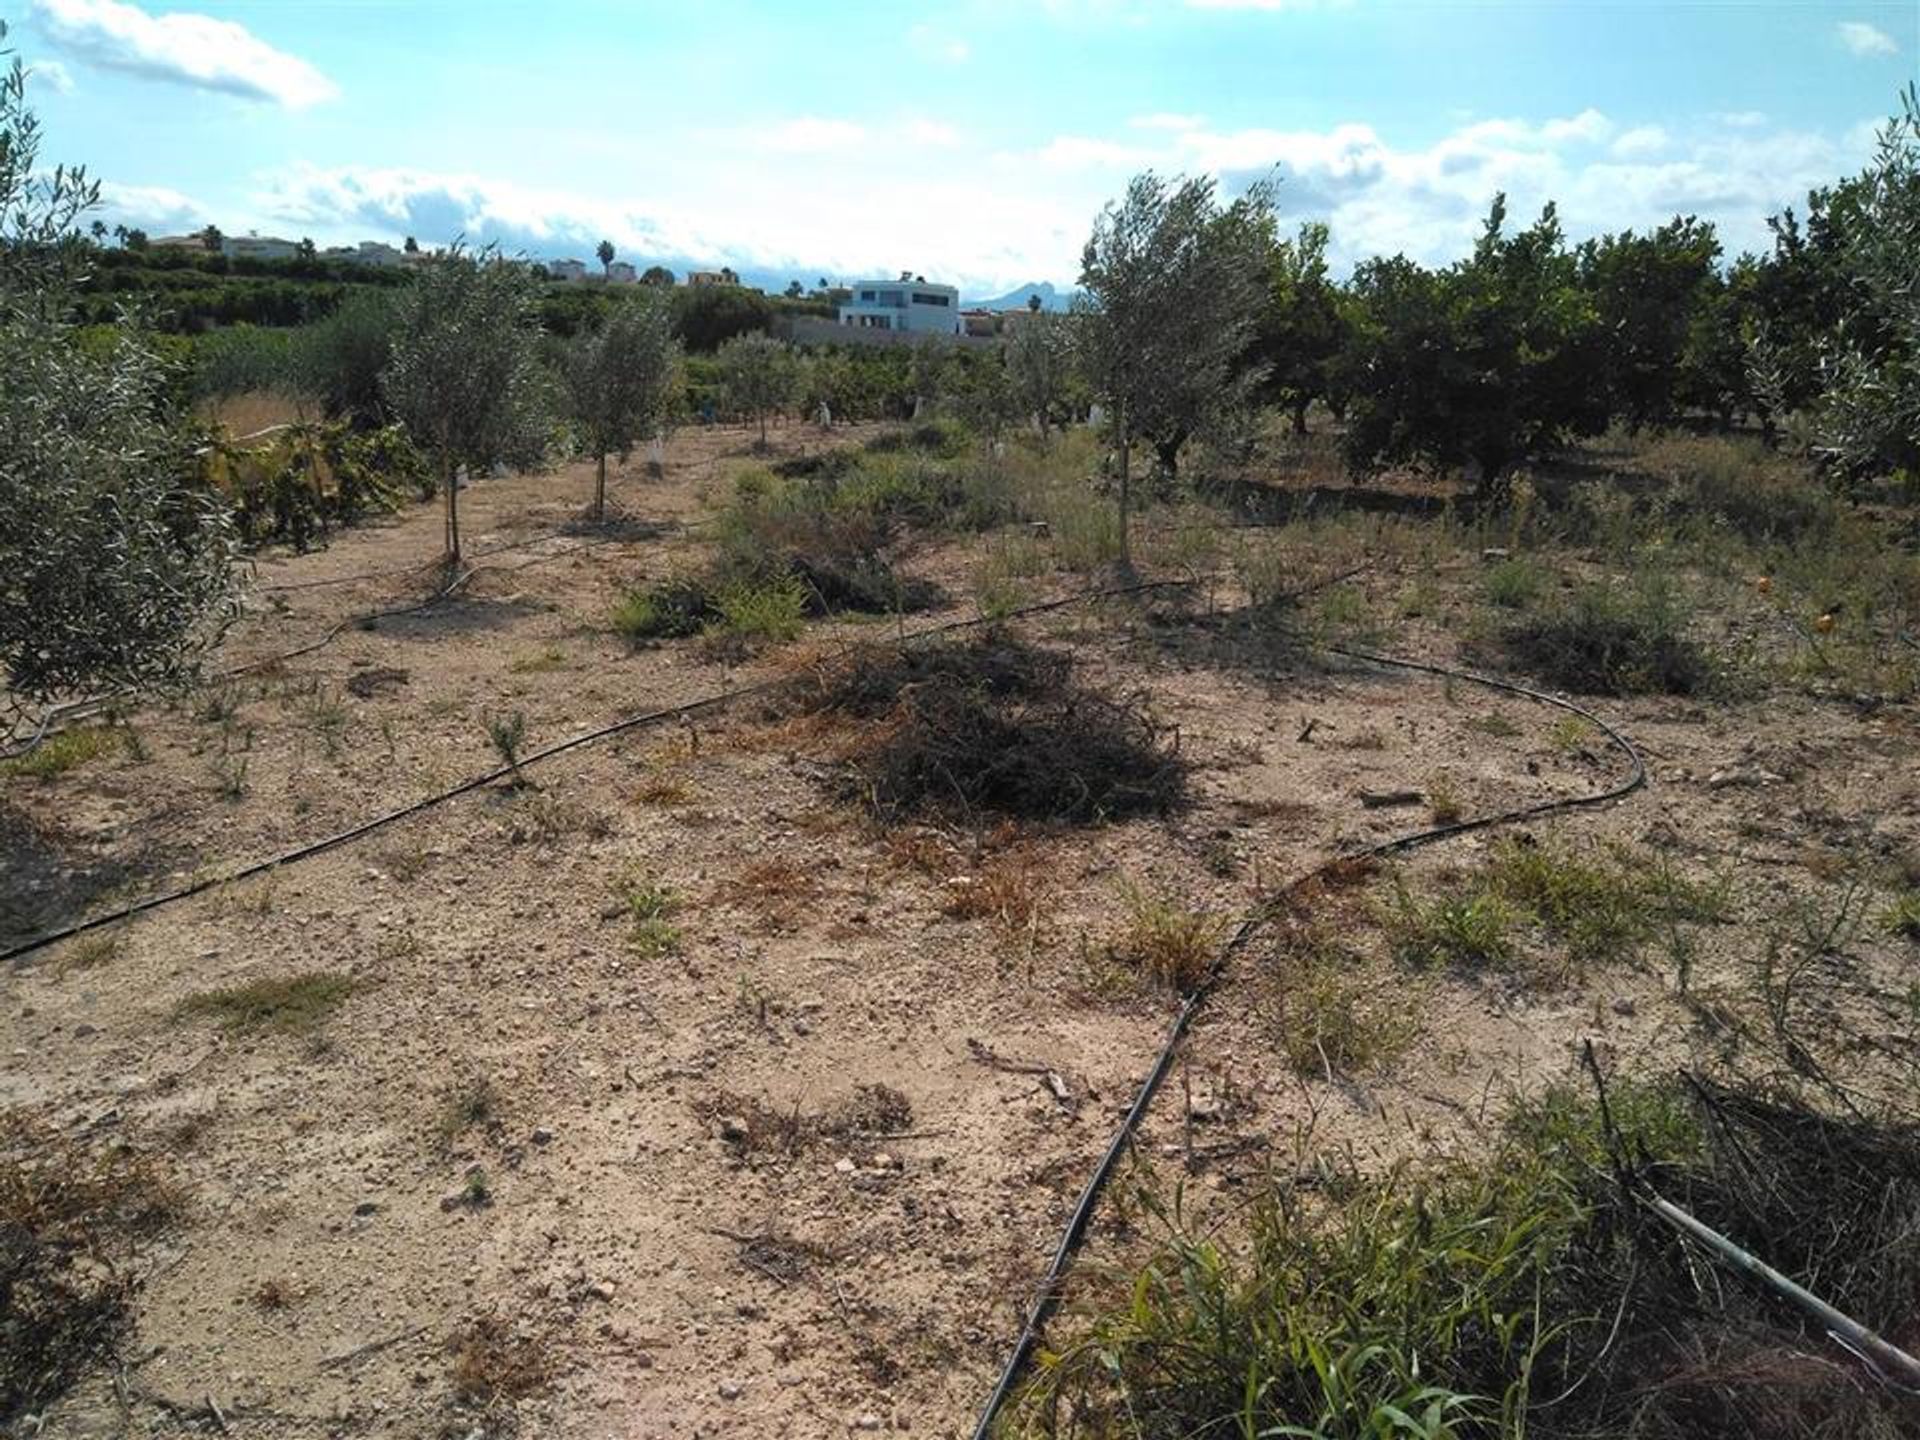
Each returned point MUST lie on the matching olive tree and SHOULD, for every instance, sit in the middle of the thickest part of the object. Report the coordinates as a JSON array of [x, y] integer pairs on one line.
[[619, 382], [1172, 284], [464, 375], [1040, 365], [1867, 423], [758, 375], [116, 564]]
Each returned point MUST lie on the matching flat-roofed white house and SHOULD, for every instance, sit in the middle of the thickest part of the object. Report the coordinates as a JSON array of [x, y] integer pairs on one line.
[[258, 247], [567, 269], [909, 304], [367, 252], [621, 273]]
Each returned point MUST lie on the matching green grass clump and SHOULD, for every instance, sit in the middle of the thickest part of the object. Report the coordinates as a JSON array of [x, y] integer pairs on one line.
[[1518, 1292], [770, 612], [1333, 1012], [672, 609], [1589, 907], [296, 1005], [1514, 584], [61, 752], [1903, 916], [1473, 930], [652, 908]]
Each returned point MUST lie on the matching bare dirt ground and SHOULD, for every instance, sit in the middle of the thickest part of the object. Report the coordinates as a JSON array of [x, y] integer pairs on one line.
[[671, 1178]]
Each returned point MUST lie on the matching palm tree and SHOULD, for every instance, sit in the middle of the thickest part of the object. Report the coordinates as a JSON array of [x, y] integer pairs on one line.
[[605, 252]]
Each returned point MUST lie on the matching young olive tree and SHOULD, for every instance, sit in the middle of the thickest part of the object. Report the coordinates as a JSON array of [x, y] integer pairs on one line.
[[1867, 423], [116, 564], [620, 382], [337, 362], [758, 374], [464, 375], [1172, 284], [1040, 365]]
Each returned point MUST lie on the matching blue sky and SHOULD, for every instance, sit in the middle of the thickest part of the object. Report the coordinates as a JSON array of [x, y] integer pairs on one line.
[[973, 141]]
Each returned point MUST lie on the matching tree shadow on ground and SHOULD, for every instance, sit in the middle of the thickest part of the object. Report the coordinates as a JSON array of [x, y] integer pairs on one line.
[[617, 526], [456, 615], [54, 877]]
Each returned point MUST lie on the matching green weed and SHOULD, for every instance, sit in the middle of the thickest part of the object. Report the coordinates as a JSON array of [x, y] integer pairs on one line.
[[61, 752], [296, 1005]]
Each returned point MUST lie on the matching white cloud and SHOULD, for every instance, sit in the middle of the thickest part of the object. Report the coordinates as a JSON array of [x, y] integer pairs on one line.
[[988, 219], [52, 74], [790, 219], [1081, 152], [1429, 201], [184, 48], [1641, 140], [934, 133], [1741, 119], [810, 135], [153, 208], [1863, 39], [1167, 120]]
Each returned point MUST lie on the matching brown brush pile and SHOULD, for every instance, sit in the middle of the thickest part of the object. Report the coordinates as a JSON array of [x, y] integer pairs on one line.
[[992, 726]]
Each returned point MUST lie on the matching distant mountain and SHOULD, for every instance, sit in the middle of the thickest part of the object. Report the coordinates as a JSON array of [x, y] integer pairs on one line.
[[1050, 298]]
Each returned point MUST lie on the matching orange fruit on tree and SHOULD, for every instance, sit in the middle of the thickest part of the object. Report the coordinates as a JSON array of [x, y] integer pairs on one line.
[[1824, 624], [1764, 585]]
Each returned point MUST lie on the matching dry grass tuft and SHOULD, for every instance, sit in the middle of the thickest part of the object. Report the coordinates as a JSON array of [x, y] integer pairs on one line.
[[1167, 942], [493, 1362], [294, 1005], [72, 1216]]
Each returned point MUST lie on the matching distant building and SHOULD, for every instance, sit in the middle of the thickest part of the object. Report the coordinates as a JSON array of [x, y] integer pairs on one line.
[[980, 323], [621, 273], [177, 242], [909, 304], [258, 247], [567, 269], [367, 252], [707, 277]]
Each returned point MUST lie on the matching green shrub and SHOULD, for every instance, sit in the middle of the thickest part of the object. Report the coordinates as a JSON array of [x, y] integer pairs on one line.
[[1514, 584], [673, 608], [1611, 641], [770, 612]]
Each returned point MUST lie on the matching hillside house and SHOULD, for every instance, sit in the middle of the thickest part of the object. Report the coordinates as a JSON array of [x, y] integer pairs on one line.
[[567, 269], [910, 303], [258, 247], [621, 273], [367, 252]]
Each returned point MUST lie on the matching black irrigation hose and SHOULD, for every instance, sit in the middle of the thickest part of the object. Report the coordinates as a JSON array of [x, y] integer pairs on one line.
[[1074, 1235], [545, 535], [631, 722]]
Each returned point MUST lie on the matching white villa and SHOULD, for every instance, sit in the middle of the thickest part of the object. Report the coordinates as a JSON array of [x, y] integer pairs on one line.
[[367, 252], [909, 303], [258, 247], [567, 269]]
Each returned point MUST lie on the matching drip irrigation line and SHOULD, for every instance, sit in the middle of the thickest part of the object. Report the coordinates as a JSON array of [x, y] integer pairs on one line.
[[1048, 1299], [545, 535], [632, 722]]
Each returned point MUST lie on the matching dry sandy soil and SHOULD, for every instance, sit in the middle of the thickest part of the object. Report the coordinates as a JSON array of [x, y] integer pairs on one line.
[[865, 1266]]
